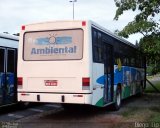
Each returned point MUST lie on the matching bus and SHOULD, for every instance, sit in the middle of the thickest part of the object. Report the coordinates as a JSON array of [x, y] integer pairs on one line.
[[77, 62], [8, 69]]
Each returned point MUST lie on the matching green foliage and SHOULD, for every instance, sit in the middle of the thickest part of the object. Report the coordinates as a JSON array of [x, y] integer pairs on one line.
[[146, 7], [144, 27], [150, 45], [150, 70], [145, 22]]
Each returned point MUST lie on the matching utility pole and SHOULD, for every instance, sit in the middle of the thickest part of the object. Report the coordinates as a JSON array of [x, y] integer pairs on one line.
[[73, 1]]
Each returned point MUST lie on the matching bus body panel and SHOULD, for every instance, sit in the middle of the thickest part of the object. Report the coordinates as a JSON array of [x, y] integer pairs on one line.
[[62, 77], [98, 83], [65, 77]]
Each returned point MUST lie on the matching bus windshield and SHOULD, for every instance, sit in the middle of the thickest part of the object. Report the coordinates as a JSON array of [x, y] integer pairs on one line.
[[53, 45]]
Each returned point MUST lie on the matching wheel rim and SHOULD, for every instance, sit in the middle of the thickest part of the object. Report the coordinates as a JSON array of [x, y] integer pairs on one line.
[[118, 99]]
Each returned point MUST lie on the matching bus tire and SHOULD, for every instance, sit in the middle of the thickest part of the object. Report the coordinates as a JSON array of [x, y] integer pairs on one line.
[[117, 103]]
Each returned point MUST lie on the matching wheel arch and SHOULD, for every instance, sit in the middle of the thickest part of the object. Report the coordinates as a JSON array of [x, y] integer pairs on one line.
[[119, 86]]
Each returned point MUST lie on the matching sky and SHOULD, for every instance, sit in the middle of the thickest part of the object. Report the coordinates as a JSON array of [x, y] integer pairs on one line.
[[15, 13]]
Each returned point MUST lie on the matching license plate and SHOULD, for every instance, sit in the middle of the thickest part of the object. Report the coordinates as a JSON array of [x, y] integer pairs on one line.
[[51, 82]]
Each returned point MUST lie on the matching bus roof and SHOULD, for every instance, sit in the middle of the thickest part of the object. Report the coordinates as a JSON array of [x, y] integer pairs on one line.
[[92, 23], [8, 36], [112, 34], [7, 40]]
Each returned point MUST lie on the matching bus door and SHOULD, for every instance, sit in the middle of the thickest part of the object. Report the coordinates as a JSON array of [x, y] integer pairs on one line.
[[7, 76], [11, 75], [108, 73], [2, 76]]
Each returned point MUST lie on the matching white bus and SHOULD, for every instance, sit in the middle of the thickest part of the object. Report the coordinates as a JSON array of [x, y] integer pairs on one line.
[[8, 69], [77, 62]]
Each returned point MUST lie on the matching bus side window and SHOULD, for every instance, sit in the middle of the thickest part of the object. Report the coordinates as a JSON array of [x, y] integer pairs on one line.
[[98, 54], [95, 54], [11, 61], [132, 61], [2, 53], [97, 47], [126, 61]]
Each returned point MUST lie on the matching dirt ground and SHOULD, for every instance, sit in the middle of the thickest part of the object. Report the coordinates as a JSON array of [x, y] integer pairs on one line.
[[135, 112]]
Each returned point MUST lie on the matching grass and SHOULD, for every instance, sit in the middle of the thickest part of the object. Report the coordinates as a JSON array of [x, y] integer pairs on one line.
[[129, 112], [150, 115], [155, 118], [155, 109], [150, 89]]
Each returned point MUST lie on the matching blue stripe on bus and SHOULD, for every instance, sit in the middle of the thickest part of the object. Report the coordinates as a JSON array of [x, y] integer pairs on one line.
[[126, 76]]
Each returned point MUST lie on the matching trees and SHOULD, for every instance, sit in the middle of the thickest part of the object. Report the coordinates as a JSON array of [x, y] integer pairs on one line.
[[145, 22]]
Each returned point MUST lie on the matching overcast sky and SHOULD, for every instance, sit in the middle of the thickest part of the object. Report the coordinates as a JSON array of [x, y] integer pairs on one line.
[[15, 13]]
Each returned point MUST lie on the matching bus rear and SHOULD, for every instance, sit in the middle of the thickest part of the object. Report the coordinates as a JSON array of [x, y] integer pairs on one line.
[[54, 63]]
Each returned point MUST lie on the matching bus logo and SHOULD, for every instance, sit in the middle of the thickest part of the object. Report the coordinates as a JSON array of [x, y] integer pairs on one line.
[[53, 40]]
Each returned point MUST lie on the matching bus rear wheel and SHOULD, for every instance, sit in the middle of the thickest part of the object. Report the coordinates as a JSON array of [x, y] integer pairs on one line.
[[117, 103]]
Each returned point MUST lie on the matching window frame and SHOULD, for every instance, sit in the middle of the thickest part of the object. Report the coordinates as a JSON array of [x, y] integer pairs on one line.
[[23, 57]]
